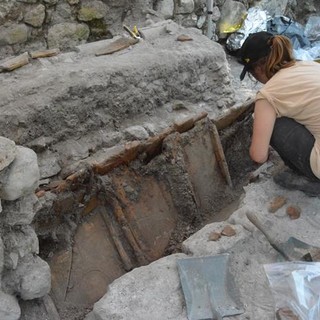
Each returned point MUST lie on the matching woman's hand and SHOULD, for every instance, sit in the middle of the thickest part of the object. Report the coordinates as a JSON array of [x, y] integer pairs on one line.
[[264, 119]]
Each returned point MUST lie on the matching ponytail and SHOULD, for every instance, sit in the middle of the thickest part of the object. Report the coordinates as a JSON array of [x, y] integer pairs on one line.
[[280, 56]]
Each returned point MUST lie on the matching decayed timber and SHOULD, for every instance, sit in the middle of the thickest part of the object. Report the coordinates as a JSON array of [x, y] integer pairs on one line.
[[15, 62], [117, 45], [219, 153], [232, 114], [44, 53], [117, 242], [129, 152]]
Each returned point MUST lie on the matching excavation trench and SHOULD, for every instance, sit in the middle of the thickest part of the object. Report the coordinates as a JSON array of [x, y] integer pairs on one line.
[[139, 203]]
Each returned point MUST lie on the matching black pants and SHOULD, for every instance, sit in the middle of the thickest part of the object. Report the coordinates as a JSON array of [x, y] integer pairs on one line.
[[294, 143]]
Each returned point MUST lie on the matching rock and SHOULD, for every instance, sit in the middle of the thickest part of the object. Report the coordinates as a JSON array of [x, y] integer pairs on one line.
[[228, 231], [9, 307], [165, 8], [48, 164], [92, 10], [216, 14], [8, 152], [72, 2], [13, 34], [150, 292], [20, 211], [71, 151], [35, 16], [293, 212], [31, 279], [277, 203], [62, 13], [40, 144], [185, 7], [21, 242], [67, 35], [136, 133], [21, 177]]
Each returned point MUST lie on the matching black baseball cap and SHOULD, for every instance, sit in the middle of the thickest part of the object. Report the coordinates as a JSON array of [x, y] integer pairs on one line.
[[255, 47]]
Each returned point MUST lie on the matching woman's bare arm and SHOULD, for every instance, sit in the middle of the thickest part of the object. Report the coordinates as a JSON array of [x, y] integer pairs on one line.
[[264, 119]]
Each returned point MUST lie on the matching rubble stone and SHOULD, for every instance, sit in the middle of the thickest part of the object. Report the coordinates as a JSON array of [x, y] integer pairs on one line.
[[35, 17], [67, 35], [165, 8], [136, 133], [9, 307], [185, 7], [13, 34], [7, 152], [92, 10], [30, 280], [21, 177], [48, 164], [20, 211], [21, 242]]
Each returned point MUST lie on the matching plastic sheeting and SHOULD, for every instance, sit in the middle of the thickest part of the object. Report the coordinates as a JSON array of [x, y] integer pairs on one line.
[[296, 288], [305, 40]]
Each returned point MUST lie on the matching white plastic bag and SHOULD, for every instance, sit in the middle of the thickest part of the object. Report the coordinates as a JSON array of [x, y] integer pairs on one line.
[[296, 286]]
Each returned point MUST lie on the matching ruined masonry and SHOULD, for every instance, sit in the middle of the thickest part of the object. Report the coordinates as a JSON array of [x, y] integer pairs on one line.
[[22, 272]]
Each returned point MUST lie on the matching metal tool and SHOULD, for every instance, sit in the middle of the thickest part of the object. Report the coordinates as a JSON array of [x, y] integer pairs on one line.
[[135, 33], [208, 287], [293, 249]]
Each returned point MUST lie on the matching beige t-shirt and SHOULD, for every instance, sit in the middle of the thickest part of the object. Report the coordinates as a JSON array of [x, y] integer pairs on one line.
[[294, 92]]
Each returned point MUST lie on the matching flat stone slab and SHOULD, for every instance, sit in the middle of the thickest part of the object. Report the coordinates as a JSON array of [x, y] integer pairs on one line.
[[150, 292]]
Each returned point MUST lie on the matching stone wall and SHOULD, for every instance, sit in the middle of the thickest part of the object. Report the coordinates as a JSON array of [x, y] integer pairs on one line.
[[41, 24], [22, 273]]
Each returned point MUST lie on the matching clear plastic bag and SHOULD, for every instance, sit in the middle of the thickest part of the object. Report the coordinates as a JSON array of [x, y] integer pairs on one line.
[[296, 287]]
